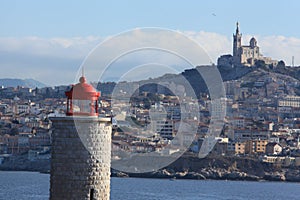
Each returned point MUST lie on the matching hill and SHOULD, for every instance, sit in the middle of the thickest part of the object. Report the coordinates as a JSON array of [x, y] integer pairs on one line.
[[30, 83], [188, 76]]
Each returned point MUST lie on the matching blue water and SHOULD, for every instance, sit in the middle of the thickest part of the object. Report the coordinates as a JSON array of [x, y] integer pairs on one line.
[[35, 186]]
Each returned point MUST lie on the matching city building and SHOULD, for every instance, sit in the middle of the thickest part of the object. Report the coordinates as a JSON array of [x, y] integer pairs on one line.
[[240, 147], [255, 146], [289, 101], [273, 148]]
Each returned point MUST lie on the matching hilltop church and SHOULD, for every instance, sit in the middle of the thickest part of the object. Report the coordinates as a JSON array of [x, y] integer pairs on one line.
[[243, 54]]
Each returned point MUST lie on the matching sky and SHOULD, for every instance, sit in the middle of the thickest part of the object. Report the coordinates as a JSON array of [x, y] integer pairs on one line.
[[50, 40]]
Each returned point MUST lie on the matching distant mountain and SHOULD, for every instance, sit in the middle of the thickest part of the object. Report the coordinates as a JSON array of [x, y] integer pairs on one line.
[[30, 83]]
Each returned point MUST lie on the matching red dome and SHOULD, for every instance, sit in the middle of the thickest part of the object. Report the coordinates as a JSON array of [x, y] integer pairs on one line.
[[82, 90], [82, 99]]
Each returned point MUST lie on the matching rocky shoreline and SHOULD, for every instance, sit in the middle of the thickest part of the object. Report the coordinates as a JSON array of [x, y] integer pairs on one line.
[[21, 163], [188, 167], [220, 168], [215, 174]]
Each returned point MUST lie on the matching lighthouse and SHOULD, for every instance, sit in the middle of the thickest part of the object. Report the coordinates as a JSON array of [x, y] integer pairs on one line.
[[81, 148]]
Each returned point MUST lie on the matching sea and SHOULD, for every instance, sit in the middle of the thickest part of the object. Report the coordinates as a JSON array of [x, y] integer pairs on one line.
[[35, 186]]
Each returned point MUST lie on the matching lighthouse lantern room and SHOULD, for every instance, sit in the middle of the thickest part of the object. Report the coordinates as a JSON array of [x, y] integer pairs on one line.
[[82, 99]]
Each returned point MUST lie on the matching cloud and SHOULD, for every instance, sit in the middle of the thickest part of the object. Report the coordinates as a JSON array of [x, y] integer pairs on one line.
[[280, 48], [124, 52], [53, 47], [57, 60], [213, 43], [49, 60]]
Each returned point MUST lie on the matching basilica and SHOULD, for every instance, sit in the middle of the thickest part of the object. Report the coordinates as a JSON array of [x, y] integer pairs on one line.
[[246, 55]]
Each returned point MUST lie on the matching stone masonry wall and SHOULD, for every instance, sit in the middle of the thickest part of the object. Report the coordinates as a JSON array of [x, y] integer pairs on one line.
[[81, 156]]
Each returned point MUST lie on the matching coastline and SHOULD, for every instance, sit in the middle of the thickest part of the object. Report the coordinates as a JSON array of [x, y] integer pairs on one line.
[[188, 167], [163, 174], [210, 175]]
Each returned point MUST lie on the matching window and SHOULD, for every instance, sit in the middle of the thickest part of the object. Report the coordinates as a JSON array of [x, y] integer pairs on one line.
[[82, 106]]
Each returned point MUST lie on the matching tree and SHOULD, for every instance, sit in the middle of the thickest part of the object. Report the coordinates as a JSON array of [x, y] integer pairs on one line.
[[14, 131], [281, 64], [260, 64]]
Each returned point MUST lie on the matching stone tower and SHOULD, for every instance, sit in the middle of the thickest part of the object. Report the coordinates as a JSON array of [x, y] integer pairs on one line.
[[237, 44], [81, 148]]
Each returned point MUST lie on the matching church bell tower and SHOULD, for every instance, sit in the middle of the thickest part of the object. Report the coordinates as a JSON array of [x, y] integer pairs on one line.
[[237, 44]]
